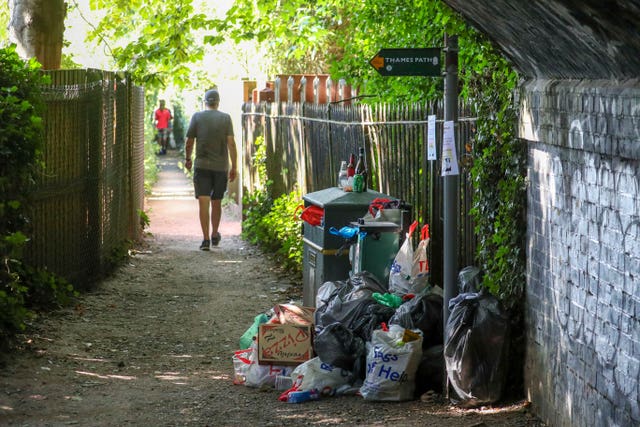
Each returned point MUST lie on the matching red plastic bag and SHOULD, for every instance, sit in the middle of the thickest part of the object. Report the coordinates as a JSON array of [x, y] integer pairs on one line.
[[312, 215]]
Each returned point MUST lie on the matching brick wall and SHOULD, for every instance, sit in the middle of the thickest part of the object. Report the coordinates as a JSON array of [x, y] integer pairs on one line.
[[583, 269]]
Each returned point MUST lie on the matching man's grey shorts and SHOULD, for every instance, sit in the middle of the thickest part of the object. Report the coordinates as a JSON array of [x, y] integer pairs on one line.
[[210, 183]]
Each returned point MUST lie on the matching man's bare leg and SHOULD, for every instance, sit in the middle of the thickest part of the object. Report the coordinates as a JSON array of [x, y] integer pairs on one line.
[[203, 204], [216, 215]]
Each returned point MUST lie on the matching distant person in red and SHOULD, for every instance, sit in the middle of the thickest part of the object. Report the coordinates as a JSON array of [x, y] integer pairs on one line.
[[162, 120]]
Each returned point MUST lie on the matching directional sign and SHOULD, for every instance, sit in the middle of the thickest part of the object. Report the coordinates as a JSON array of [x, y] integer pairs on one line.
[[407, 62]]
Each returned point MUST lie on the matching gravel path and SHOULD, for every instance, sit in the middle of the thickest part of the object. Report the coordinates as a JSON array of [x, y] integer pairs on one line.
[[152, 344]]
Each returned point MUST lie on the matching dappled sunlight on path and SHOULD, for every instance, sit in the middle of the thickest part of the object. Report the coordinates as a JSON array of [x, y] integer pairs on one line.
[[173, 210]]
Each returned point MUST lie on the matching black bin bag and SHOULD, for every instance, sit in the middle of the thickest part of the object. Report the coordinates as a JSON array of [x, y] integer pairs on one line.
[[338, 346], [430, 372], [351, 303], [469, 279], [476, 348], [422, 312]]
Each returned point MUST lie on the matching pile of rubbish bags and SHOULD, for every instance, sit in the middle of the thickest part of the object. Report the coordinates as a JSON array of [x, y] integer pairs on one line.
[[388, 346]]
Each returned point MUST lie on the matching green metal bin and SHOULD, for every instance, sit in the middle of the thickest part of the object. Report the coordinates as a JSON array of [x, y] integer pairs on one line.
[[376, 247], [321, 261]]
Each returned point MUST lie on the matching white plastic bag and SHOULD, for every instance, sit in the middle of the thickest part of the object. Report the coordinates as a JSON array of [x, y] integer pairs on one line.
[[420, 267], [315, 374], [241, 364], [392, 361], [410, 270], [262, 375]]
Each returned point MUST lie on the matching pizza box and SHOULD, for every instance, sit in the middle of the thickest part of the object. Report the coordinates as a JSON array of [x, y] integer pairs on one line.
[[284, 344]]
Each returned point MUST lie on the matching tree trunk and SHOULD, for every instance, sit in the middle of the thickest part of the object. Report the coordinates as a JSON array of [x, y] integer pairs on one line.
[[37, 28]]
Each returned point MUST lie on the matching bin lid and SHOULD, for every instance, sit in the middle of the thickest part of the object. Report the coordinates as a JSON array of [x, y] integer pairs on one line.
[[376, 226], [336, 198]]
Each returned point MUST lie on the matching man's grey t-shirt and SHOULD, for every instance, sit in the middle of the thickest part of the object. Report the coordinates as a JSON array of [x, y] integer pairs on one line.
[[210, 128]]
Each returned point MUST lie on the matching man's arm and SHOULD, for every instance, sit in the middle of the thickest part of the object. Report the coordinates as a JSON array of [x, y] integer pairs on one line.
[[188, 149], [233, 154]]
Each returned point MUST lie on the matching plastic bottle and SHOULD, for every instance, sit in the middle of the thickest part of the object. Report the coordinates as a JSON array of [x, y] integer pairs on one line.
[[303, 396], [342, 175]]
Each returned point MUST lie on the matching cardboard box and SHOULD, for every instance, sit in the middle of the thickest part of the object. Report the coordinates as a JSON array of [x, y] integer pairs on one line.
[[289, 344]]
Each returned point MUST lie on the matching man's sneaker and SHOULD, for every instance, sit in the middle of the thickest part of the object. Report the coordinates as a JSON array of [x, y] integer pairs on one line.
[[204, 246], [215, 239]]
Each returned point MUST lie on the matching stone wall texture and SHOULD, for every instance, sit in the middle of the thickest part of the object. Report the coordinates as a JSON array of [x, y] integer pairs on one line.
[[561, 39], [583, 263]]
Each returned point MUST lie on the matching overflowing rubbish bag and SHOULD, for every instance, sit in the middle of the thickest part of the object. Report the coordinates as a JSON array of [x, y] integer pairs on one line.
[[410, 268], [393, 358], [423, 312], [476, 347], [313, 379], [430, 373], [248, 372], [352, 304], [346, 319], [356, 352], [469, 279], [314, 374], [336, 345]]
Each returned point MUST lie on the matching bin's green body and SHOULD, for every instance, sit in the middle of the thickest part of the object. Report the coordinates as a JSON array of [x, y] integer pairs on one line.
[[321, 262], [376, 248]]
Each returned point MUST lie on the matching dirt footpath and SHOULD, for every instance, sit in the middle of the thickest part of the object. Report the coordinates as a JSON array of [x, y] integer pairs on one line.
[[152, 345]]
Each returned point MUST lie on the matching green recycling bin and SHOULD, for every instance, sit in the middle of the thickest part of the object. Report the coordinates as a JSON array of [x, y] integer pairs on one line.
[[323, 260], [376, 247]]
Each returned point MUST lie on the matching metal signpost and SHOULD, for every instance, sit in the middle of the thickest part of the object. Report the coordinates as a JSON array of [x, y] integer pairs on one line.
[[426, 62], [451, 190]]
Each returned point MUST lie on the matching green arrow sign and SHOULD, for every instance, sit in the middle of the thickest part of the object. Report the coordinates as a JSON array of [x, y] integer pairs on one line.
[[407, 62]]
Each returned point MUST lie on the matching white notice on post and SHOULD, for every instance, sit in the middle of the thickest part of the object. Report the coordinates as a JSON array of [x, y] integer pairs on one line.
[[431, 137], [449, 157]]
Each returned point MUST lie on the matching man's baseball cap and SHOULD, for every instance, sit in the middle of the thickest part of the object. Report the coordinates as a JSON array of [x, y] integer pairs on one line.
[[211, 96]]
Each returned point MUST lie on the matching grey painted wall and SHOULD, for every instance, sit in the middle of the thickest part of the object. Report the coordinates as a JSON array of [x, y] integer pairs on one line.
[[561, 38], [583, 261]]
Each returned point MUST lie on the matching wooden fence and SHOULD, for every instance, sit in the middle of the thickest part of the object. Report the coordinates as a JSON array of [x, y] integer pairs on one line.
[[306, 142], [87, 202]]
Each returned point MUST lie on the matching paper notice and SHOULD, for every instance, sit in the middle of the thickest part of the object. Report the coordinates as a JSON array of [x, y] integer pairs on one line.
[[431, 138], [449, 157]]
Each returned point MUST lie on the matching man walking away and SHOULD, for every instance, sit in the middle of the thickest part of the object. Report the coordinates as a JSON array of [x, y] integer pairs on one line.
[[212, 132]]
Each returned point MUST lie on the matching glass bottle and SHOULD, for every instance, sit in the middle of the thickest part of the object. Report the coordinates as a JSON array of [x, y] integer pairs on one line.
[[351, 167], [361, 168]]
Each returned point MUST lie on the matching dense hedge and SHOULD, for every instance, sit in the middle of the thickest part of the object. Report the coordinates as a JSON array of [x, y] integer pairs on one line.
[[270, 223], [23, 289]]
